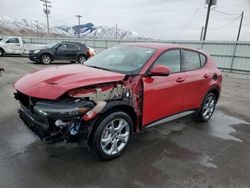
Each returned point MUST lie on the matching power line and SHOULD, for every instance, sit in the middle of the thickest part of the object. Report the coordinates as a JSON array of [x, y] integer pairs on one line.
[[188, 22], [226, 13], [221, 27]]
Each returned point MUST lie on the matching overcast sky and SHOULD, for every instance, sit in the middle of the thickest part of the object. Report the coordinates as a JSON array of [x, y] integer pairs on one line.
[[159, 19]]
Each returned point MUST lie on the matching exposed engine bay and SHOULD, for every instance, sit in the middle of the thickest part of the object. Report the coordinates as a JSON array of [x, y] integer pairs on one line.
[[70, 118]]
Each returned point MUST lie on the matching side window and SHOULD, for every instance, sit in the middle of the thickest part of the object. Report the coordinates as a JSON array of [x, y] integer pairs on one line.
[[62, 47], [12, 40], [203, 60], [191, 60], [72, 47], [172, 59]]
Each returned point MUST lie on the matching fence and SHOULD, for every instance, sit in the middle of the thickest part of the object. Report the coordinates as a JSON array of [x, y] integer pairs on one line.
[[228, 55]]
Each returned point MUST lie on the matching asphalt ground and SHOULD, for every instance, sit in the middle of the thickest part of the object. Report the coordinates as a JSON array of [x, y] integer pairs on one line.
[[181, 153]]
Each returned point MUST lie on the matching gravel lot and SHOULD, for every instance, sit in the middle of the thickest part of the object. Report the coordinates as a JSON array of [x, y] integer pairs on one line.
[[181, 153]]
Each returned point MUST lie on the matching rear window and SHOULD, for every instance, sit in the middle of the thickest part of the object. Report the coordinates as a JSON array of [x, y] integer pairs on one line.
[[203, 60], [72, 47], [191, 60]]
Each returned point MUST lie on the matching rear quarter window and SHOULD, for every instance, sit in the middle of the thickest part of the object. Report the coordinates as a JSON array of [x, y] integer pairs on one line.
[[191, 60], [203, 60]]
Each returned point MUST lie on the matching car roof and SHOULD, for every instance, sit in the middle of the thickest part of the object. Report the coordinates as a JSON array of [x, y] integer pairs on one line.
[[163, 46], [78, 43]]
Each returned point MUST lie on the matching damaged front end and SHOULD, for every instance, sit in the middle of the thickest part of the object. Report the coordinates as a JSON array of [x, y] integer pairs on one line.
[[53, 121], [69, 118]]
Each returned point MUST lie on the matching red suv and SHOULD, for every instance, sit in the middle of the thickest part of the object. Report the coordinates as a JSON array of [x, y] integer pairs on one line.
[[122, 90]]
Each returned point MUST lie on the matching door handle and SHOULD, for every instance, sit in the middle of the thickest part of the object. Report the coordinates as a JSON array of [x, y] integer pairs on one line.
[[180, 80], [18, 44], [206, 75]]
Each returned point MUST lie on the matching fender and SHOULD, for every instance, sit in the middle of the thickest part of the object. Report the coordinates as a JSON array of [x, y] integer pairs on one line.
[[88, 127]]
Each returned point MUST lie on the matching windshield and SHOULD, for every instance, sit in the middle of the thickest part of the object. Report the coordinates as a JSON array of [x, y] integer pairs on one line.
[[123, 59], [51, 45], [4, 39]]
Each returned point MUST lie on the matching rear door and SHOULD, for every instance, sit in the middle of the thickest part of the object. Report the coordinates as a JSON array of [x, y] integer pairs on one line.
[[163, 95], [72, 50], [197, 78]]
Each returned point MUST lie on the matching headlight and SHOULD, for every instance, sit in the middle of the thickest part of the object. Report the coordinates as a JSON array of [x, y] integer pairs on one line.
[[36, 51]]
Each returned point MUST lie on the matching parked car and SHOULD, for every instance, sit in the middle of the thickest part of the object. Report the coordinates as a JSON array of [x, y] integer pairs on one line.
[[16, 46], [120, 91], [72, 51]]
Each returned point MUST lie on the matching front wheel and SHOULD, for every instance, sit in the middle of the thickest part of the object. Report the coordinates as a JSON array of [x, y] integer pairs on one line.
[[1, 52], [46, 59], [111, 136], [207, 108]]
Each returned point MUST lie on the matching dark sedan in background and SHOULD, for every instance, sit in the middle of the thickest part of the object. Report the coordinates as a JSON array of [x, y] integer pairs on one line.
[[71, 51]]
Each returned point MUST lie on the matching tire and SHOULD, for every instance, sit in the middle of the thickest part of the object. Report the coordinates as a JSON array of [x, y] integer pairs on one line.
[[111, 136], [72, 61], [207, 108], [81, 59], [46, 59], [1, 52]]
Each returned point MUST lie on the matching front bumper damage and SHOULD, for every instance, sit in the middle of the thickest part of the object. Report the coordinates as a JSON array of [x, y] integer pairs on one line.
[[54, 121], [71, 118]]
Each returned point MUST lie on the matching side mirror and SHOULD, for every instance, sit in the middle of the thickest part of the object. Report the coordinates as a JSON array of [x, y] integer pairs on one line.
[[160, 70]]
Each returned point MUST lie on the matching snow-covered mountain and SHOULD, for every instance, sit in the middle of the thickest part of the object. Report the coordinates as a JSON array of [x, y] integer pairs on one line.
[[24, 27]]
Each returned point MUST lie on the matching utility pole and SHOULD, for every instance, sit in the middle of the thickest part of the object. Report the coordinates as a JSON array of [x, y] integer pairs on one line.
[[79, 23], [202, 29], [241, 19], [46, 10], [116, 31], [209, 3]]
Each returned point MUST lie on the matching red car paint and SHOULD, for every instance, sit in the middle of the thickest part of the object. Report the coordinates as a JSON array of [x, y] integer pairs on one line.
[[51, 83], [153, 97]]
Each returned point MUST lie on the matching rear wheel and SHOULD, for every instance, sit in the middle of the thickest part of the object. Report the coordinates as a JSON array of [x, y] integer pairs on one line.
[[111, 136], [207, 108], [81, 59], [1, 52], [46, 59]]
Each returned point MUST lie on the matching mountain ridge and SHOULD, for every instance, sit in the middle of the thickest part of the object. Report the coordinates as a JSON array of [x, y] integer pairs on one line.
[[24, 27]]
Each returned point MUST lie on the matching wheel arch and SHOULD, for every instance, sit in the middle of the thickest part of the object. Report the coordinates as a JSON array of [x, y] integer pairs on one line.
[[111, 107], [46, 53], [2, 50], [215, 90], [83, 54]]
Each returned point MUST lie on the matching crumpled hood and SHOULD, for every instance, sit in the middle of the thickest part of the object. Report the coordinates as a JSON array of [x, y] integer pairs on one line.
[[51, 83]]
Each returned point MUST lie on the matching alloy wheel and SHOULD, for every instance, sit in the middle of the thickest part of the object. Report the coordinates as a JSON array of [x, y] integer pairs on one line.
[[81, 59], [208, 107], [46, 60], [115, 136]]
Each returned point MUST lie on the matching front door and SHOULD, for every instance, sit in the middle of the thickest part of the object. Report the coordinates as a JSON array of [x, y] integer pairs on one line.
[[163, 95], [14, 46], [61, 52]]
